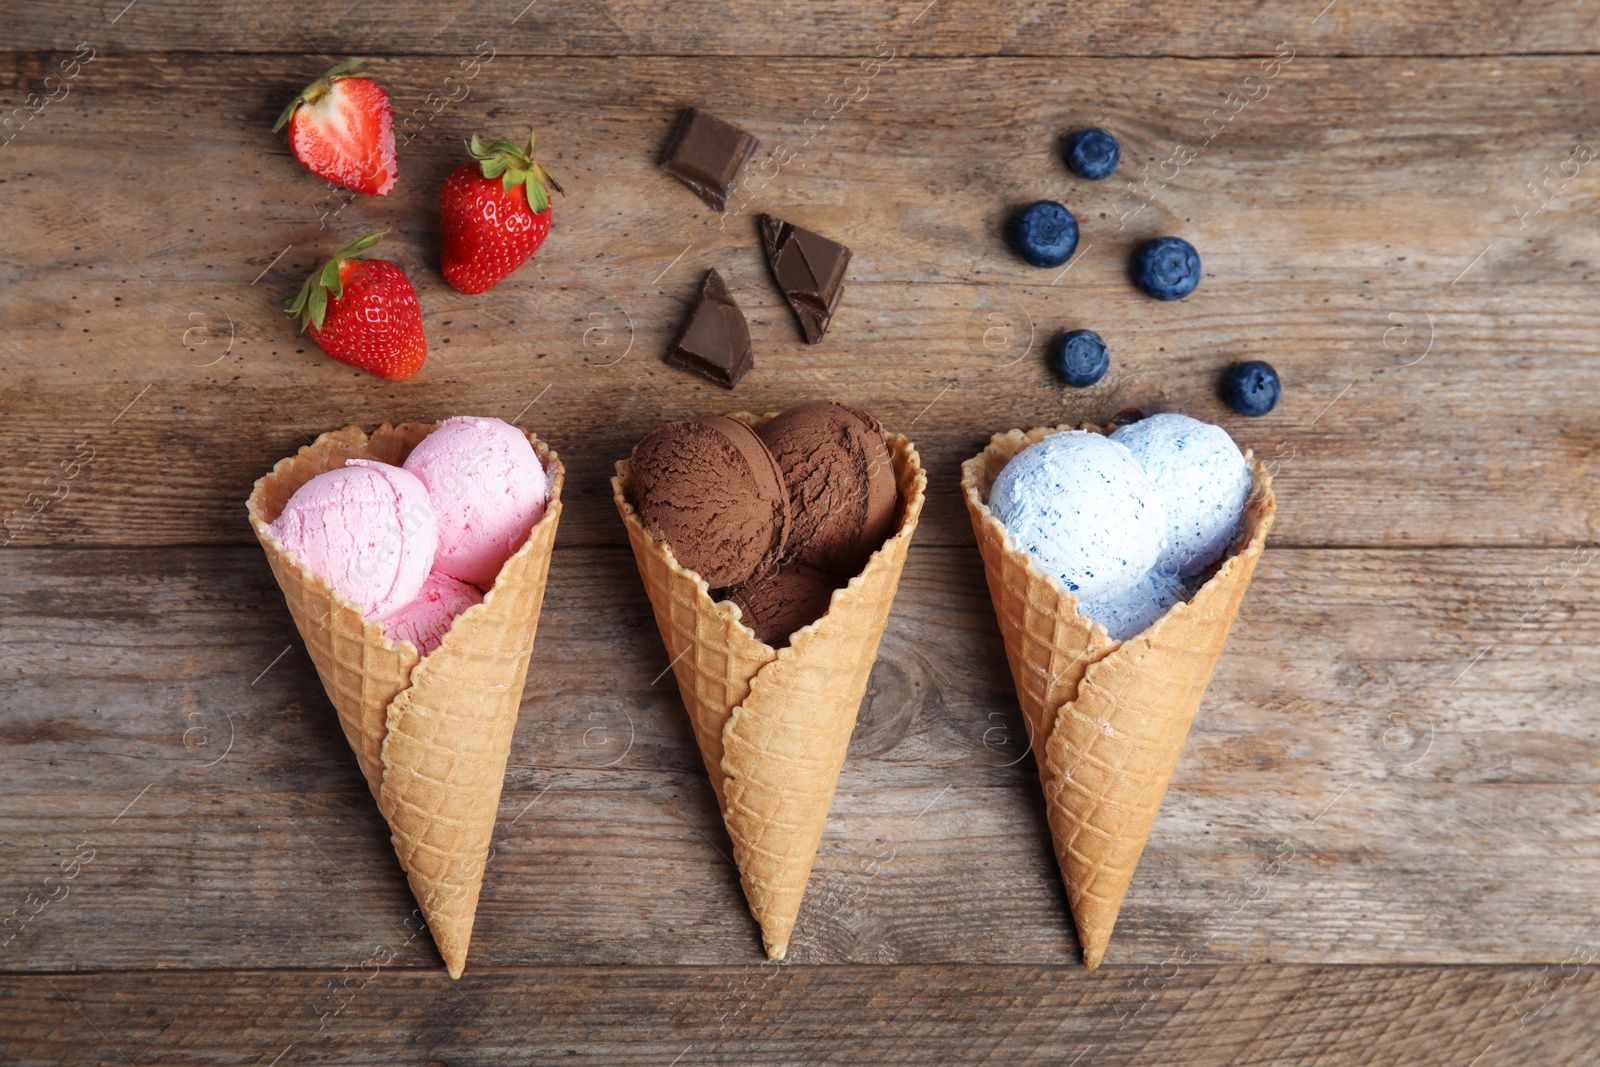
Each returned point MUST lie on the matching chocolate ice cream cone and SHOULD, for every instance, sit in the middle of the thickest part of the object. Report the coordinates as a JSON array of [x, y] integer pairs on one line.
[[432, 735], [773, 725], [1107, 719]]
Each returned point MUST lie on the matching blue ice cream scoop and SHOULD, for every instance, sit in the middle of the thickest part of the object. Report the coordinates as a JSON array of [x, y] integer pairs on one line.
[[1081, 505], [1132, 612], [1204, 480]]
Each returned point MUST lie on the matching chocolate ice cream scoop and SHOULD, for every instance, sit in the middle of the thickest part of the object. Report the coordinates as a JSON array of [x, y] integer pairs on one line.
[[709, 488], [784, 601], [842, 491]]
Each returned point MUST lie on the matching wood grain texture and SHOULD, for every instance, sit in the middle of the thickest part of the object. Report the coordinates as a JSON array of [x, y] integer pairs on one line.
[[815, 27], [1361, 786], [1027, 1016], [1424, 329], [1395, 771]]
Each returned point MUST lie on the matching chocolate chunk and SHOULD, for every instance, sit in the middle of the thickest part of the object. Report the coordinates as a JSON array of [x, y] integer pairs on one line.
[[706, 154], [809, 269], [715, 340]]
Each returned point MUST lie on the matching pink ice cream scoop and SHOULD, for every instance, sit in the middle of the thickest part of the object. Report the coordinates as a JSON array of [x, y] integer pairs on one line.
[[367, 529], [424, 621], [488, 489]]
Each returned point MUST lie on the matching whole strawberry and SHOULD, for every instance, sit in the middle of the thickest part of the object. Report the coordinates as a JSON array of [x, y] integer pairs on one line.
[[493, 214], [364, 312], [342, 129]]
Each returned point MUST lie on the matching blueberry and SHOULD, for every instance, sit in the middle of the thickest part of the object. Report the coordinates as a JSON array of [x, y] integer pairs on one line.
[[1252, 388], [1080, 358], [1093, 154], [1167, 268], [1045, 234]]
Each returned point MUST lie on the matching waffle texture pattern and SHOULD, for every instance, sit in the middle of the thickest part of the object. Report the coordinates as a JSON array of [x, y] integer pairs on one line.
[[432, 735], [773, 725], [1107, 719]]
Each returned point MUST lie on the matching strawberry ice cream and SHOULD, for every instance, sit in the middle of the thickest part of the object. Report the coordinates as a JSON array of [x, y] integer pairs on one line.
[[424, 621], [488, 489], [367, 529]]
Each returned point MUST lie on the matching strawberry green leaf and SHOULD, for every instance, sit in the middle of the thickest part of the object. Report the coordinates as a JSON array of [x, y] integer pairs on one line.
[[288, 113], [299, 302], [311, 305], [349, 68], [514, 166], [329, 279], [545, 179], [319, 306], [353, 250], [538, 199]]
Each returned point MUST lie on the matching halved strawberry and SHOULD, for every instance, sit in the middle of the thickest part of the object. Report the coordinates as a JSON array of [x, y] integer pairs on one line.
[[493, 214], [364, 312], [342, 128]]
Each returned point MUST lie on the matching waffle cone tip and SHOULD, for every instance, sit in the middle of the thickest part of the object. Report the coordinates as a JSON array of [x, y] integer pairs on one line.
[[1108, 718], [432, 734], [452, 935], [772, 725], [1095, 921]]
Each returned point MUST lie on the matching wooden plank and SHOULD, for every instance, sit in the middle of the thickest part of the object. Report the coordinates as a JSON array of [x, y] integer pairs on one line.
[[369, 1013], [811, 27], [142, 319], [1396, 762], [1396, 767]]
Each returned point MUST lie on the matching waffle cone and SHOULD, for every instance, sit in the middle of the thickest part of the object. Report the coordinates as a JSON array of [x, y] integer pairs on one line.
[[1107, 719], [432, 735], [773, 724]]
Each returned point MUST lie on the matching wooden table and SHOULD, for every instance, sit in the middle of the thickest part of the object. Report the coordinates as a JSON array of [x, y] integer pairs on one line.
[[1383, 843]]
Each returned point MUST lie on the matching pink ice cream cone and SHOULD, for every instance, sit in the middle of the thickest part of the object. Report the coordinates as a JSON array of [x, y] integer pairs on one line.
[[368, 529], [426, 619], [488, 489]]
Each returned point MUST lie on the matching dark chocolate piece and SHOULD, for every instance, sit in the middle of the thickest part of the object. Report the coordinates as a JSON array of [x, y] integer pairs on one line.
[[706, 154], [809, 269], [715, 340]]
